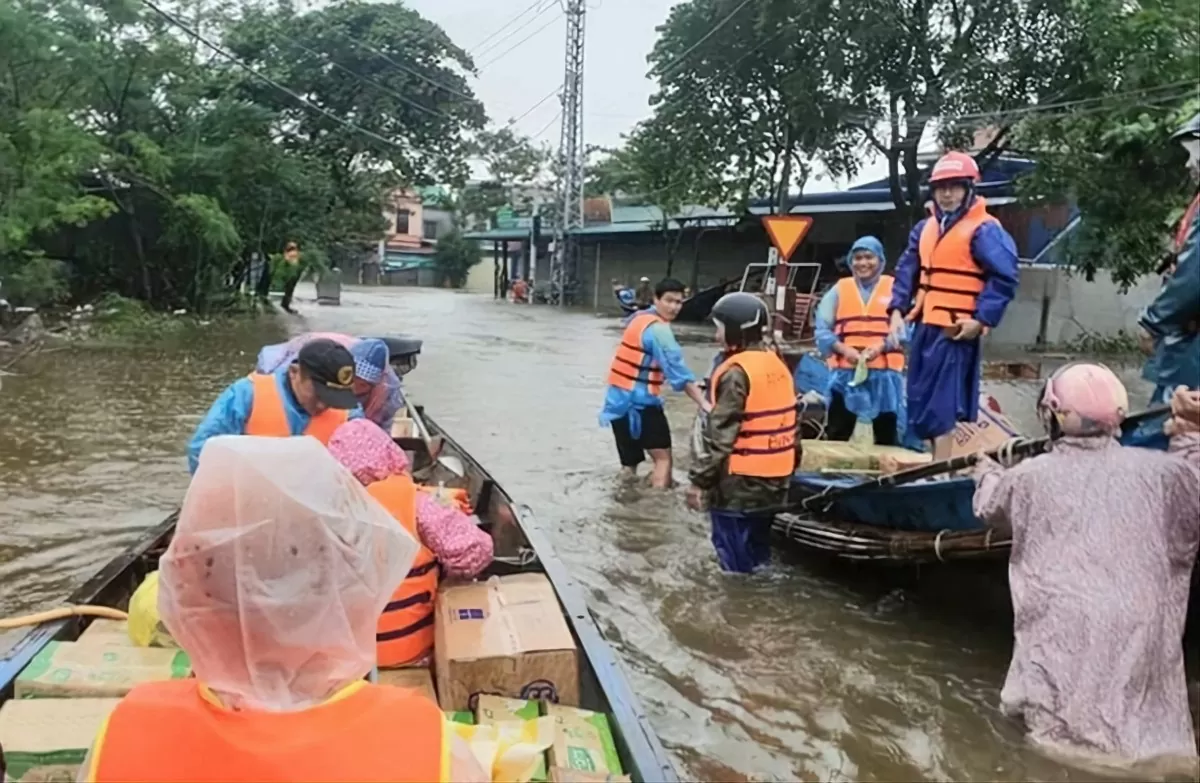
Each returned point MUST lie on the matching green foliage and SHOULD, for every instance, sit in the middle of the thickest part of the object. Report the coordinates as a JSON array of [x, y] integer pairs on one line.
[[454, 258], [1112, 155], [136, 161], [514, 165]]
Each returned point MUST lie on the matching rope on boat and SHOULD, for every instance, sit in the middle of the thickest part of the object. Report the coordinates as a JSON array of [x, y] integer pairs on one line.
[[83, 610]]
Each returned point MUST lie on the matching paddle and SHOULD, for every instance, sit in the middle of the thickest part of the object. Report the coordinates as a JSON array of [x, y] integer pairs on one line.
[[447, 461], [1019, 448]]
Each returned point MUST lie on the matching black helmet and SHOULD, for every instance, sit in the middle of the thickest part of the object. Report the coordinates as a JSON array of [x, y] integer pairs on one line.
[[743, 315], [1189, 130]]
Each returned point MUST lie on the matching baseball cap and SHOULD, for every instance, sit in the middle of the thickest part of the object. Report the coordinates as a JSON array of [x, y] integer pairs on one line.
[[331, 368]]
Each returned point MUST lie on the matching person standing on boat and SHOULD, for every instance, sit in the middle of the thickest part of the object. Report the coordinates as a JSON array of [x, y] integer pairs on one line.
[[376, 384], [954, 281], [749, 437], [1170, 325], [451, 541], [1104, 540], [311, 395], [278, 571], [647, 356], [866, 361], [626, 296]]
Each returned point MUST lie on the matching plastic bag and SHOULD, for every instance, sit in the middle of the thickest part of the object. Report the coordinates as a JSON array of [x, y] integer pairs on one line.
[[510, 749], [145, 626]]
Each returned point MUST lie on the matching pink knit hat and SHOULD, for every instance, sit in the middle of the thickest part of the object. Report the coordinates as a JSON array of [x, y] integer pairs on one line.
[[367, 451], [1086, 399]]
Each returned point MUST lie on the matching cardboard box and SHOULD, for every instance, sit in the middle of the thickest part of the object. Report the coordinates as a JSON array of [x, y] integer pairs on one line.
[[507, 637], [106, 633], [583, 741], [560, 775], [70, 669], [832, 456], [420, 679], [48, 739], [496, 709], [990, 430], [403, 428]]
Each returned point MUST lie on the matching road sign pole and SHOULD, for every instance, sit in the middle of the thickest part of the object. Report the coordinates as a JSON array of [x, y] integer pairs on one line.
[[786, 233]]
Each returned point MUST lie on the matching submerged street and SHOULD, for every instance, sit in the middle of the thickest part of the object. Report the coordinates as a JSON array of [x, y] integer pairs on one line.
[[807, 671]]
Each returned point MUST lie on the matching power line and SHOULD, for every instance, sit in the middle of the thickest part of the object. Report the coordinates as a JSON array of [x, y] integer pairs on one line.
[[365, 79], [433, 82], [507, 24], [266, 79], [530, 110], [482, 50], [500, 56], [663, 71]]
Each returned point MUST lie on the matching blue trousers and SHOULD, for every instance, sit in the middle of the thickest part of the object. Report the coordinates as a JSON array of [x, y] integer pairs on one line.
[[742, 539], [943, 382]]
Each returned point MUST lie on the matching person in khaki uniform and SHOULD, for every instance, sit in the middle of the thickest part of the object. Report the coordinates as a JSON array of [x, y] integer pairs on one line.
[[749, 437]]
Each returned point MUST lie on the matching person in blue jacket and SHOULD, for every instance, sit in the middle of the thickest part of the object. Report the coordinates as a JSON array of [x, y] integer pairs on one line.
[[315, 391], [879, 398], [646, 356], [1171, 323], [954, 282]]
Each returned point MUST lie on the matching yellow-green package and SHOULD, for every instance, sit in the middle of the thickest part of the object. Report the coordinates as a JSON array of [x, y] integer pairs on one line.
[[145, 626], [461, 716], [48, 739], [498, 709], [511, 749], [583, 740]]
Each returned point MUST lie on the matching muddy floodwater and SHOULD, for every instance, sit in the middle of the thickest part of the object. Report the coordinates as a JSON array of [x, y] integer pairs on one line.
[[806, 671]]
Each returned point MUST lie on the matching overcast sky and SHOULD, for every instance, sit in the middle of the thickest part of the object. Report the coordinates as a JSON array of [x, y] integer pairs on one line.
[[516, 73]]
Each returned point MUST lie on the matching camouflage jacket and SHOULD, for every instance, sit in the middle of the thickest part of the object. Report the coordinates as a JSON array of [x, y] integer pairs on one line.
[[710, 470]]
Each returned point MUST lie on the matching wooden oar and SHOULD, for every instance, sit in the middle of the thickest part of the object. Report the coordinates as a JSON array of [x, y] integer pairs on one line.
[[1019, 448]]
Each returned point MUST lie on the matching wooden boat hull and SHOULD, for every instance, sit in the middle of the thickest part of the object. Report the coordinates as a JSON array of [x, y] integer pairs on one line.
[[520, 547]]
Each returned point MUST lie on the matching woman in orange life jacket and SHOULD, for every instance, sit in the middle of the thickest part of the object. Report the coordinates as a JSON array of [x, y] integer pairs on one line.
[[954, 281], [852, 325], [451, 541], [749, 437], [278, 570]]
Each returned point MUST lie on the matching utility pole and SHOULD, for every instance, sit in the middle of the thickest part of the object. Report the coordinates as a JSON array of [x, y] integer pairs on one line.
[[572, 152]]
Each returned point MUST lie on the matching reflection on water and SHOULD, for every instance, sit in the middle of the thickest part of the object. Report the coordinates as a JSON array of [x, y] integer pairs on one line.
[[806, 671]]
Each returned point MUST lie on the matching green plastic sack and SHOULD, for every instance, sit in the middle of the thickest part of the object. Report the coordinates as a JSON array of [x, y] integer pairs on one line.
[[145, 626], [860, 371]]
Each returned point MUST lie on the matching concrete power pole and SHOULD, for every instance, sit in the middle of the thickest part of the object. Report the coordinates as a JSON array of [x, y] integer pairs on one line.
[[572, 152]]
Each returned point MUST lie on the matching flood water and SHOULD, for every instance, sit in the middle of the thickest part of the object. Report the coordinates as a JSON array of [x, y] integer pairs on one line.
[[806, 671]]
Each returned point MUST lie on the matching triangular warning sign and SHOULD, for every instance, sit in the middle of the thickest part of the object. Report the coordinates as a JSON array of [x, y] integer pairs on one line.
[[787, 232]]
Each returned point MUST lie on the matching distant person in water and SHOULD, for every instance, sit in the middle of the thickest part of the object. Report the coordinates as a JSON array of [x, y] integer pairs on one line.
[[293, 271], [311, 395], [626, 296], [520, 291], [645, 295], [647, 357], [1104, 540]]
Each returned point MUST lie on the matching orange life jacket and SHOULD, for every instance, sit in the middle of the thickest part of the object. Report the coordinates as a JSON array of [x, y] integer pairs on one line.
[[169, 731], [405, 631], [864, 325], [268, 416], [950, 279], [631, 363], [1185, 224], [766, 441]]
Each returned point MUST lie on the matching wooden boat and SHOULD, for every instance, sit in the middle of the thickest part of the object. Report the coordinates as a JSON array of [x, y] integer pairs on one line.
[[697, 307], [520, 547]]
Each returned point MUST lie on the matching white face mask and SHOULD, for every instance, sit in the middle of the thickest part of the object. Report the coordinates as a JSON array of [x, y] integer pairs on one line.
[[1193, 149]]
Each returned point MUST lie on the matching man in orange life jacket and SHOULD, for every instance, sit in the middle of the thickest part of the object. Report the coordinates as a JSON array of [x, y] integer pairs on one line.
[[749, 437], [646, 357], [955, 279], [273, 583], [310, 396]]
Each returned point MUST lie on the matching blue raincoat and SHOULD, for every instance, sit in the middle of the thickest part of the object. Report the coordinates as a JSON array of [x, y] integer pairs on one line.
[[944, 374], [1172, 319], [229, 414], [883, 390], [658, 341]]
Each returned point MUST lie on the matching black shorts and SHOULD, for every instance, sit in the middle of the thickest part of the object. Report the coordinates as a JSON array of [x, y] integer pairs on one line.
[[656, 434]]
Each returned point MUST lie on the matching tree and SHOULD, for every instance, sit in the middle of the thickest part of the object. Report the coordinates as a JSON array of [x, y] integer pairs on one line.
[[515, 165], [1134, 70], [136, 159], [454, 258]]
